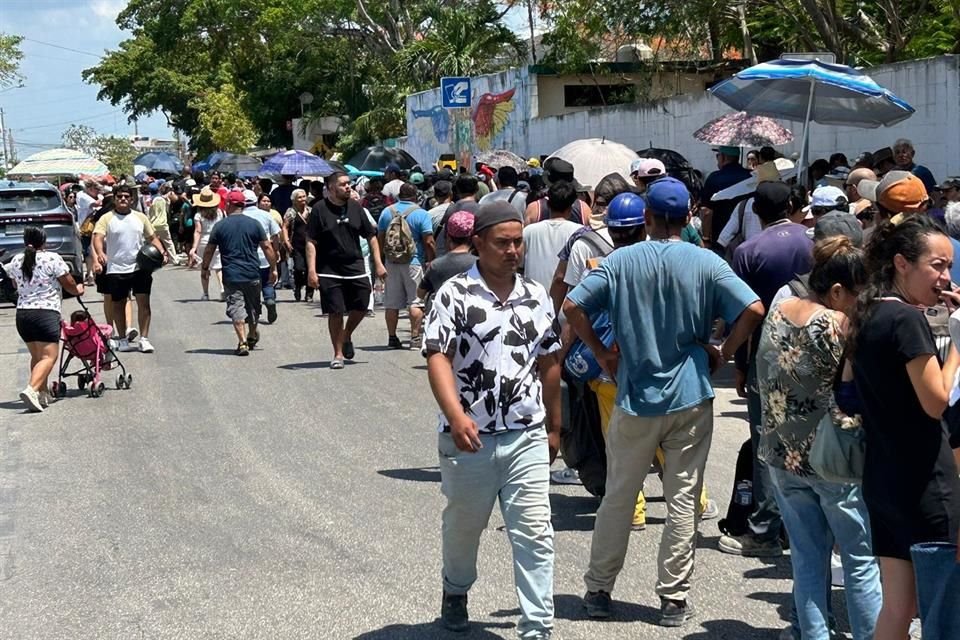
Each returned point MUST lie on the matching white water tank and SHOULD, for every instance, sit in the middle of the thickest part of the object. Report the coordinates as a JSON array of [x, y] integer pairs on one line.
[[636, 52]]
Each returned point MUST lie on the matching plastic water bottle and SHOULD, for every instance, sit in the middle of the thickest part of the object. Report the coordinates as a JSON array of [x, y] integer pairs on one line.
[[744, 493]]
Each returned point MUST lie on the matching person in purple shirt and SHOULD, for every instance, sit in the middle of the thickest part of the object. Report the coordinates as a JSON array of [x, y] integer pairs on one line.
[[766, 262]]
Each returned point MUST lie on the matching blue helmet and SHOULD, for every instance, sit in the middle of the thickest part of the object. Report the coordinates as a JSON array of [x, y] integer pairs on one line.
[[626, 210]]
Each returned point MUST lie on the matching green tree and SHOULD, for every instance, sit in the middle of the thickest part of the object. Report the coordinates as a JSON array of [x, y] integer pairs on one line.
[[10, 57], [221, 118], [114, 151], [80, 137]]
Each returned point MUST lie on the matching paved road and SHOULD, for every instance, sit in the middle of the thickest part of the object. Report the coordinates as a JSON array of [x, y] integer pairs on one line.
[[270, 497]]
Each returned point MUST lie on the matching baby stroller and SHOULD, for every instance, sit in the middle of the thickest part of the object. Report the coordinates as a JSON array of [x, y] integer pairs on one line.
[[89, 344]]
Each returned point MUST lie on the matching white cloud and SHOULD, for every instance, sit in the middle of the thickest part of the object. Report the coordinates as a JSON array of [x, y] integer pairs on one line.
[[107, 9]]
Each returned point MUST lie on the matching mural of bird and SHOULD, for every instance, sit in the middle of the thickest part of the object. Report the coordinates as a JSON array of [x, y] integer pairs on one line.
[[490, 116], [432, 125]]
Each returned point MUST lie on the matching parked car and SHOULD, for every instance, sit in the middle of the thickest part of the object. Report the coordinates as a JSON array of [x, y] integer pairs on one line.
[[38, 203]]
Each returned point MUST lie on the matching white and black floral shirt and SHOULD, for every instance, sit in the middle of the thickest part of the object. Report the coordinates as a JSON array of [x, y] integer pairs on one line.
[[42, 291], [494, 347]]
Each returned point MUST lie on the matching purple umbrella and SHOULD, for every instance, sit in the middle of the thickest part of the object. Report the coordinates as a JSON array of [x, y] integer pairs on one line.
[[742, 129], [296, 163]]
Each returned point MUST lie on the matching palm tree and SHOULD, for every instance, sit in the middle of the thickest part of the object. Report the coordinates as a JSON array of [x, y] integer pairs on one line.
[[460, 41]]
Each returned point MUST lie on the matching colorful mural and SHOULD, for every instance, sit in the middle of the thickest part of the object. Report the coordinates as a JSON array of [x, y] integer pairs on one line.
[[490, 116], [496, 119]]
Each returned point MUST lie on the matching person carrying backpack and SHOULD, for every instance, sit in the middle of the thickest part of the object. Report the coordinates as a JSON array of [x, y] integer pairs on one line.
[[405, 232]]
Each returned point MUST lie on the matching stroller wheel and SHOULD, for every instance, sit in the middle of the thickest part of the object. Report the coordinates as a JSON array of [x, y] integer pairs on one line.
[[100, 388], [120, 381], [81, 381], [129, 380], [61, 389]]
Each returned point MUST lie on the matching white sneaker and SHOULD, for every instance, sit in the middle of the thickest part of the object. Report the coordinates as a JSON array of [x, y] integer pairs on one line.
[[31, 398], [145, 346], [565, 476], [836, 570], [132, 334], [125, 346], [204, 297], [45, 398]]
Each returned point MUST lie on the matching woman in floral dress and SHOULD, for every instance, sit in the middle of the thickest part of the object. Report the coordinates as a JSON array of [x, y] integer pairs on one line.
[[798, 357]]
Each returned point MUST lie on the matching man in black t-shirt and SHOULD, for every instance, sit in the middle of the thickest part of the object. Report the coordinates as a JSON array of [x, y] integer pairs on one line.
[[335, 262]]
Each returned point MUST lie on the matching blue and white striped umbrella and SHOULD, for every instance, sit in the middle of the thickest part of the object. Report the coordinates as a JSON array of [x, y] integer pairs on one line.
[[296, 163], [812, 91]]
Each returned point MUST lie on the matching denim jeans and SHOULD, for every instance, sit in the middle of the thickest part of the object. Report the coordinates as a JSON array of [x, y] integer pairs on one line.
[[817, 513], [938, 589], [765, 521], [269, 293], [514, 467]]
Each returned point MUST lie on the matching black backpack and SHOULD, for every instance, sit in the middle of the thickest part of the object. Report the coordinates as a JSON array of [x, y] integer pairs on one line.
[[581, 438]]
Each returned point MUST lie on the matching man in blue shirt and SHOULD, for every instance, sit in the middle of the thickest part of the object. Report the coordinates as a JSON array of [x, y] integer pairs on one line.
[[903, 153], [662, 297], [715, 215], [403, 277]]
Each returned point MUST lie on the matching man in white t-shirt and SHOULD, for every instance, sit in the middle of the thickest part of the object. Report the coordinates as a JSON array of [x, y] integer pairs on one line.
[[543, 240], [117, 240], [272, 230], [393, 176], [86, 202]]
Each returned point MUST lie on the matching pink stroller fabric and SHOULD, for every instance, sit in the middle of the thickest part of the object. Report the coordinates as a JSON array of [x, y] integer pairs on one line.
[[83, 340]]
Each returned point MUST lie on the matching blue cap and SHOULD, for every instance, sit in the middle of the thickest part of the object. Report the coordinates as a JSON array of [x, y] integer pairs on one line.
[[669, 197], [394, 167]]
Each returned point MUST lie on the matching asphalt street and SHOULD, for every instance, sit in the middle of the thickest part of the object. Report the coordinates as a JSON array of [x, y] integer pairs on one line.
[[272, 497]]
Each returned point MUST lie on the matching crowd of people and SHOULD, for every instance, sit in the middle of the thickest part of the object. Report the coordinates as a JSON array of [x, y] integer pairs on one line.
[[833, 296]]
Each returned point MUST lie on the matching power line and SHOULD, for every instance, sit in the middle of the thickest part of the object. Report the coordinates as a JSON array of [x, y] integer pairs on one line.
[[57, 46], [72, 121]]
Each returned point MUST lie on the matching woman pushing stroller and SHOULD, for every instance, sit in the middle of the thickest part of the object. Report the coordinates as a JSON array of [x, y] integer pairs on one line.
[[40, 277]]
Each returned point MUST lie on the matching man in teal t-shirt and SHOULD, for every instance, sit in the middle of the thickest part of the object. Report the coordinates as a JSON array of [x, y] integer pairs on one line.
[[662, 297], [400, 289]]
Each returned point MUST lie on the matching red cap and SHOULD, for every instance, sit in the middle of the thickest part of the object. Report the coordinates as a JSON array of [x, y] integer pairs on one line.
[[235, 197]]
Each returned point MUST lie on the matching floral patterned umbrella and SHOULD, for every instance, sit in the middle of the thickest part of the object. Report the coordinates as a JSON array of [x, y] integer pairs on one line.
[[742, 129], [501, 158]]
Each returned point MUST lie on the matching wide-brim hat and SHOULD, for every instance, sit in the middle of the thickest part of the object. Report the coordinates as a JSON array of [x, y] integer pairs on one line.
[[206, 198]]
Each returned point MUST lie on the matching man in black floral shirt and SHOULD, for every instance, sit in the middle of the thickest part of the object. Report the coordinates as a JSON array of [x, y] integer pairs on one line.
[[491, 341]]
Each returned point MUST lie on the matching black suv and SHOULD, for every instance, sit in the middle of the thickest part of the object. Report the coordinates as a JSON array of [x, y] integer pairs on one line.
[[38, 203]]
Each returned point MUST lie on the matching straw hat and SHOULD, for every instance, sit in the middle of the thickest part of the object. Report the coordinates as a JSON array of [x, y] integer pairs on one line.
[[206, 198]]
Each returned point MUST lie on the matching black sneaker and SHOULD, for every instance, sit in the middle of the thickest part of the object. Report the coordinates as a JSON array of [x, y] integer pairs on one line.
[[253, 337], [271, 313], [674, 613], [453, 612], [348, 350], [394, 343], [242, 349], [597, 604]]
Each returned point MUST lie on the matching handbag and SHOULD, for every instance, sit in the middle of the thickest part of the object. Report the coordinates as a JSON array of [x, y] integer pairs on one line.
[[837, 453], [580, 363], [86, 229]]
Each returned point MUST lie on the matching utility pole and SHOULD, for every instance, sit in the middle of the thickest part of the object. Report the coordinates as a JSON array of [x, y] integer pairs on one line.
[[3, 136]]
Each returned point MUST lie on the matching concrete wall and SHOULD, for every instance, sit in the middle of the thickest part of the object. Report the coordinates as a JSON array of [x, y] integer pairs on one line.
[[654, 86], [931, 86]]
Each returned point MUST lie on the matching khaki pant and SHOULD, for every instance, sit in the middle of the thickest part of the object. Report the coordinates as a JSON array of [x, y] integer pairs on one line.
[[606, 399], [163, 233], [632, 442]]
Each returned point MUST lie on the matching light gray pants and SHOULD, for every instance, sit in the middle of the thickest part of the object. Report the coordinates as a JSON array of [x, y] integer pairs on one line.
[[514, 467]]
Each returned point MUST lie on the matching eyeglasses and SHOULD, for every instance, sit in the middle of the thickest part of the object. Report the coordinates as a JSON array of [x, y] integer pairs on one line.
[[123, 196]]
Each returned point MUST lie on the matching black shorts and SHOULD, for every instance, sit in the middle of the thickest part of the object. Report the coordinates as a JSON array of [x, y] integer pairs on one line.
[[340, 296], [38, 325], [119, 285]]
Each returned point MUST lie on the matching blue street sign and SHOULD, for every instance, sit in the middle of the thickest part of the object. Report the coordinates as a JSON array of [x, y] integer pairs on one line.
[[455, 92]]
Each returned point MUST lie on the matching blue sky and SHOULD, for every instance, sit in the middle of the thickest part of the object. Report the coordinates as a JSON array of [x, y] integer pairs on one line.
[[54, 94]]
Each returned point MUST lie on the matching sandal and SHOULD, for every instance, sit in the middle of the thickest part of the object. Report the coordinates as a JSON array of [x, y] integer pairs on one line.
[[242, 349], [336, 363]]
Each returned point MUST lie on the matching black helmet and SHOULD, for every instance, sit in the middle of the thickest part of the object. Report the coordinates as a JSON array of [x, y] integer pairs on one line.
[[149, 258]]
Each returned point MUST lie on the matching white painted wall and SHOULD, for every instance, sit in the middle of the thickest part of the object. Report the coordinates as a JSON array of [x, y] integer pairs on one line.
[[931, 86]]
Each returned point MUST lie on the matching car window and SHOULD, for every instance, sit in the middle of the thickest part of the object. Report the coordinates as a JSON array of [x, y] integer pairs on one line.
[[22, 201]]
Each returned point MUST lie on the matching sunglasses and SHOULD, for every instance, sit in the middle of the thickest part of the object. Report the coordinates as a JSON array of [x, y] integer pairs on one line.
[[123, 196]]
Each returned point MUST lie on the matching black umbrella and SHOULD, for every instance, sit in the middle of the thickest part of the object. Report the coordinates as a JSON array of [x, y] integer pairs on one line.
[[234, 163], [677, 167], [377, 159]]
